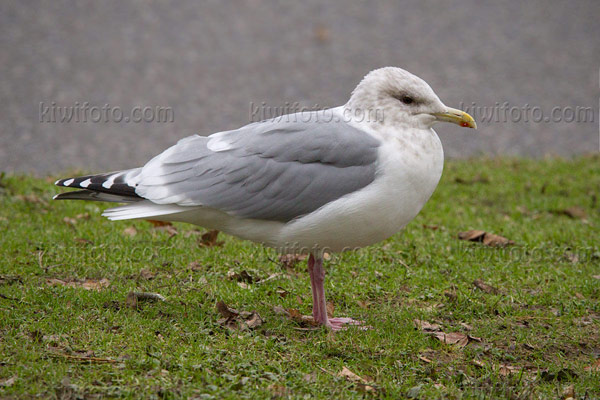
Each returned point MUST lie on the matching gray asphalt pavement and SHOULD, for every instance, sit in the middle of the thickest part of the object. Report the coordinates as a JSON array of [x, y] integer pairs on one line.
[[212, 63]]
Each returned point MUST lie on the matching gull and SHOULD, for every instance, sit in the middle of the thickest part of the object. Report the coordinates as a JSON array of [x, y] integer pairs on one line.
[[310, 182]]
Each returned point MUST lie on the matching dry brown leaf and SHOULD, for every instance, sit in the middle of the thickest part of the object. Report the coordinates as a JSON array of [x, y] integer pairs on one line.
[[506, 370], [225, 311], [425, 359], [196, 266], [70, 221], [330, 309], [238, 320], [352, 377], [568, 393], [169, 229], [596, 276], [575, 212], [426, 326], [254, 321], [147, 274], [466, 326], [451, 295], [488, 239], [31, 198], [595, 367], [134, 298], [453, 338], [8, 381], [87, 284], [481, 285], [83, 216], [289, 261], [278, 390], [305, 320], [130, 231], [478, 363], [242, 276], [363, 304], [209, 239], [83, 241]]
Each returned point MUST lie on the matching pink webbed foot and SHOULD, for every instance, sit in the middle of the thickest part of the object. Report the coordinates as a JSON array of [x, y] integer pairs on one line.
[[341, 323]]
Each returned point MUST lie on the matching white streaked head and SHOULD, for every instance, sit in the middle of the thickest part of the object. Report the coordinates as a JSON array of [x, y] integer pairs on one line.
[[392, 96]]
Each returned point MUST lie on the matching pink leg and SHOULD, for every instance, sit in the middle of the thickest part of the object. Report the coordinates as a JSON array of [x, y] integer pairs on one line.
[[317, 280]]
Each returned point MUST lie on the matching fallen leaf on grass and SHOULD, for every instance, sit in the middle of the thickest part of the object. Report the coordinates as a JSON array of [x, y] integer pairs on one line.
[[505, 369], [238, 320], [134, 298], [363, 383], [426, 326], [481, 285], [596, 276], [296, 316], [130, 231], [574, 212], [31, 198], [455, 338], [289, 261], [83, 241], [87, 284], [147, 274], [70, 221], [363, 304], [568, 393], [242, 276], [488, 239], [595, 367], [330, 307], [209, 239], [8, 381], [196, 266], [160, 226], [278, 390]]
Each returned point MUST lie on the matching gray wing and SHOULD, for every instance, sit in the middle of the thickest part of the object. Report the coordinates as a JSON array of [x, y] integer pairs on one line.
[[275, 170]]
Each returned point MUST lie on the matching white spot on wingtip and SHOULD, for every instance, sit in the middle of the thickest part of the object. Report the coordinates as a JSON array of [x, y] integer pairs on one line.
[[54, 197], [56, 183], [68, 182], [85, 183]]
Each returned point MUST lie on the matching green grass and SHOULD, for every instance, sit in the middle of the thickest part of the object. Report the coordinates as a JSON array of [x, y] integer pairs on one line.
[[543, 323]]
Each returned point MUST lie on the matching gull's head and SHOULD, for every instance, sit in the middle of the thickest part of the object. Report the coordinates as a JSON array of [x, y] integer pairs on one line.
[[392, 96]]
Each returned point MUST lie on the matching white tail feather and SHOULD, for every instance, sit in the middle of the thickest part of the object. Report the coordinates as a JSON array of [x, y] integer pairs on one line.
[[142, 209]]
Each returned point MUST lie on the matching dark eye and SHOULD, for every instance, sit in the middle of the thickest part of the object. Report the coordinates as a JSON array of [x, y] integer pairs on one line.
[[406, 99]]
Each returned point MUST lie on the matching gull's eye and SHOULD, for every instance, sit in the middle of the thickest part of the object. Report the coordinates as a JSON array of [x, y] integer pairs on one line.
[[406, 99]]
